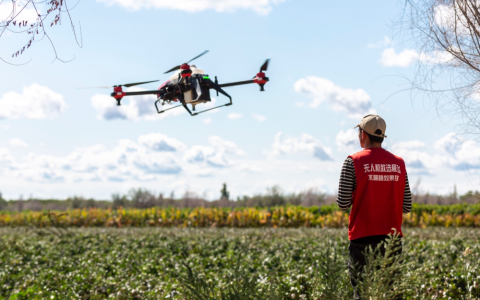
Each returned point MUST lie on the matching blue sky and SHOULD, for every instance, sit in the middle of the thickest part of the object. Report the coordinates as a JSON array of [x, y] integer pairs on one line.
[[331, 63]]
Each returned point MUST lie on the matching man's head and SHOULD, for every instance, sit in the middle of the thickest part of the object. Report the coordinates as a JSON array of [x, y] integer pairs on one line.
[[371, 131]]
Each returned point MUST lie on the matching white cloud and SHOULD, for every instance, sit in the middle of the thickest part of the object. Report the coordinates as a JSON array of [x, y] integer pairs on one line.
[[468, 156], [260, 6], [284, 144], [6, 160], [158, 164], [437, 57], [35, 102], [160, 142], [347, 141], [463, 154], [154, 156], [18, 143], [417, 161], [259, 118], [408, 56], [403, 59], [250, 168], [452, 152], [356, 103], [449, 143], [225, 146], [446, 18], [234, 116], [207, 120], [216, 155], [408, 145], [204, 155], [135, 108]]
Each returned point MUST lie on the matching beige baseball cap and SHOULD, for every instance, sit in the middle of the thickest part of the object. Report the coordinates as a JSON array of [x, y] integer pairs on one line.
[[371, 123]]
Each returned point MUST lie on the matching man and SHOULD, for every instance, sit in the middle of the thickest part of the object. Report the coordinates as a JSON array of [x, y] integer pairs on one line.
[[374, 183]]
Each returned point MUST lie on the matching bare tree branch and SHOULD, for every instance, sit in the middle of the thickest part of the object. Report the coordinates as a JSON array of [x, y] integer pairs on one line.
[[447, 36], [32, 18]]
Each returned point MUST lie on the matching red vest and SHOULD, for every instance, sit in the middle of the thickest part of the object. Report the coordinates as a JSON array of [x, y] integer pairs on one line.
[[378, 197]]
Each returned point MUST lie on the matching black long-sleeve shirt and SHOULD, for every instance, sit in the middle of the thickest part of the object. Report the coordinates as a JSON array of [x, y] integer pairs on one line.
[[348, 184]]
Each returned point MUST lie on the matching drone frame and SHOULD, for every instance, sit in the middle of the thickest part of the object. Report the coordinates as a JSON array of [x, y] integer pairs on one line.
[[185, 73], [209, 83]]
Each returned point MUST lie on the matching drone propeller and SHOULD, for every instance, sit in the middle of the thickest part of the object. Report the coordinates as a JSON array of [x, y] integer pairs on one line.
[[203, 53], [125, 85], [173, 69], [264, 66], [178, 67]]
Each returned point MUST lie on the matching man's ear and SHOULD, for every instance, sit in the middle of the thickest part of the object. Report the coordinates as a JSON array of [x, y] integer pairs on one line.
[[364, 135]]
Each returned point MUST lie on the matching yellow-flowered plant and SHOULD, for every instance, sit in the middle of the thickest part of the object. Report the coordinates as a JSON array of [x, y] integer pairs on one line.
[[276, 217]]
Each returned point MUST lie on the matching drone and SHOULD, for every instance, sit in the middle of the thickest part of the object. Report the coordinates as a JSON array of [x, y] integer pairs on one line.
[[188, 86]]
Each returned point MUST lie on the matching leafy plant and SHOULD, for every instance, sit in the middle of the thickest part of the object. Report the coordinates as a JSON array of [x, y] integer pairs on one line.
[[227, 263]]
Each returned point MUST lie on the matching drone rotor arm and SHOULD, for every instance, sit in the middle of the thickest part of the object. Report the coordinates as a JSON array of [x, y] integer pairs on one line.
[[155, 92], [95, 87], [235, 83]]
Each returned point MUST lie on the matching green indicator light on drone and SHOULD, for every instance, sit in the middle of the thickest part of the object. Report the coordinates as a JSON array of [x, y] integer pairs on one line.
[[206, 77]]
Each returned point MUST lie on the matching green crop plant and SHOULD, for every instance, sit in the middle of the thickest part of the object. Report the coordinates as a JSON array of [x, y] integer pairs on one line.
[[227, 263]]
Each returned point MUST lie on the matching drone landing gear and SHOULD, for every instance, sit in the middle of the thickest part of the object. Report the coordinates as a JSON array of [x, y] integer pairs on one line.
[[186, 107], [162, 111], [215, 86]]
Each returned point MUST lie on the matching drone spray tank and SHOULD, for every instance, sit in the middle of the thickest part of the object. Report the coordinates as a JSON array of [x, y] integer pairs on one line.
[[197, 93]]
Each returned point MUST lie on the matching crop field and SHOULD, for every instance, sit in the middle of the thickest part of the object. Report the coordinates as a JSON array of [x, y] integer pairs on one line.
[[225, 263], [327, 216]]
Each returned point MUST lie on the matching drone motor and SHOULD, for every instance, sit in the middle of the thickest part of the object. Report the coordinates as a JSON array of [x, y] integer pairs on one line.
[[118, 94]]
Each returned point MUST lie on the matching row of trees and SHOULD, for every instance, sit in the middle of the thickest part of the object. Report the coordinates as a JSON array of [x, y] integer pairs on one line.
[[274, 196], [143, 198]]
